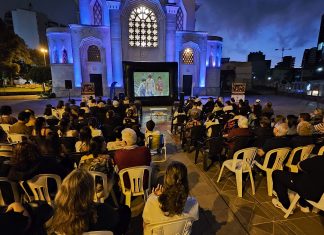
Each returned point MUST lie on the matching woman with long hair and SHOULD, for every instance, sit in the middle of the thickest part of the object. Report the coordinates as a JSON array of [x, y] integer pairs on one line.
[[40, 129], [76, 213], [172, 201], [83, 144]]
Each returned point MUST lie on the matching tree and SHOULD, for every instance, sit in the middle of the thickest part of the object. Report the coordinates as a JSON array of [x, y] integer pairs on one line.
[[13, 52], [39, 74]]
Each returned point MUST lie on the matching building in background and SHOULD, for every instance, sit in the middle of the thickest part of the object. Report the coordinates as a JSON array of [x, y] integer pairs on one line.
[[236, 72], [29, 25], [260, 67], [111, 32]]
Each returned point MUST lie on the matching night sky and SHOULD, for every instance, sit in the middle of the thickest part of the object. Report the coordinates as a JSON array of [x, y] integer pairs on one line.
[[245, 25]]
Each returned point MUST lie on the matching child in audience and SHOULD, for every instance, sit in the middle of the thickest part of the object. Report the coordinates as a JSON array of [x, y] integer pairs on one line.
[[170, 201], [150, 125]]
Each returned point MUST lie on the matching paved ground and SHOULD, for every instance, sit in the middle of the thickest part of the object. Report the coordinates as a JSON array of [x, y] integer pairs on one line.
[[221, 211]]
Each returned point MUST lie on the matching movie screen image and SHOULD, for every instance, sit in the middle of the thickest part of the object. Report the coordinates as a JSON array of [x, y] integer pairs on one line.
[[151, 84]]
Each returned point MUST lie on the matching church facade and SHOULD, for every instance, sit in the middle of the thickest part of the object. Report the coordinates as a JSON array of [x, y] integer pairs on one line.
[[111, 32]]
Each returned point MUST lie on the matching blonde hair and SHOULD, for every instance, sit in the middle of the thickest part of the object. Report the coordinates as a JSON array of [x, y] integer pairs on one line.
[[74, 207]]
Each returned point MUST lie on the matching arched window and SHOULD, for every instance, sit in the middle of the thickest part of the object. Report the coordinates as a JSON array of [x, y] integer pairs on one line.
[[143, 28], [97, 13], [94, 53], [188, 56], [55, 56], [179, 19], [64, 57]]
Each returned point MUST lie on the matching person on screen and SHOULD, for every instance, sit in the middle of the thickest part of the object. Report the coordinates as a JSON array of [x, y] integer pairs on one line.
[[142, 88], [150, 85], [159, 86]]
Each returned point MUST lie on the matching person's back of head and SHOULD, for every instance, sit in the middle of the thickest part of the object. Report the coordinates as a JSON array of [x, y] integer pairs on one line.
[[304, 129], [5, 110], [150, 125], [97, 146], [60, 104], [280, 130], [279, 119], [265, 122], [23, 116], [23, 154], [129, 136], [175, 189], [292, 120], [74, 208], [304, 117], [48, 111], [39, 125], [93, 122], [85, 134]]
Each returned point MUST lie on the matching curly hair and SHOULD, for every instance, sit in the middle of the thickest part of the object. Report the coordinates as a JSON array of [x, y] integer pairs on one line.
[[74, 208], [176, 189]]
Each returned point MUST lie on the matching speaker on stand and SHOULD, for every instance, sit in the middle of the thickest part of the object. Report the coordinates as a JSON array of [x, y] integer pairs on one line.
[[68, 86]]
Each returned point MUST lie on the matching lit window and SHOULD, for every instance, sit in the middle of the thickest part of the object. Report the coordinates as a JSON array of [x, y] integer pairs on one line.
[[143, 28], [179, 19], [97, 13], [188, 56], [94, 53]]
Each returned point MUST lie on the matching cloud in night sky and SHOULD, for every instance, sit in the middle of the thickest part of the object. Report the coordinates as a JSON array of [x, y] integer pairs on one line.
[[245, 25], [253, 25]]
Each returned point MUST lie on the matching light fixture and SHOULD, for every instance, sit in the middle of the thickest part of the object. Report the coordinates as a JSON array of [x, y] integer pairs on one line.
[[269, 78]]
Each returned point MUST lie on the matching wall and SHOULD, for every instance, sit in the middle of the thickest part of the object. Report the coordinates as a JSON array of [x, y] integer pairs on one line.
[[60, 73]]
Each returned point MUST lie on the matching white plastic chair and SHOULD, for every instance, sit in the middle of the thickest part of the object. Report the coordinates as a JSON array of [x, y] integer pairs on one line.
[[280, 155], [155, 143], [39, 186], [14, 190], [16, 138], [319, 205], [6, 150], [321, 151], [98, 233], [305, 152], [240, 166], [107, 187], [180, 226], [136, 177], [5, 127]]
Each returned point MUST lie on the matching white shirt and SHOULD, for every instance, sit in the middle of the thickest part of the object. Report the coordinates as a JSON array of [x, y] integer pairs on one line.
[[153, 214]]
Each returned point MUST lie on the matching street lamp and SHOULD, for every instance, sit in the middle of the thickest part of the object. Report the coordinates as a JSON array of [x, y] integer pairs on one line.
[[44, 51]]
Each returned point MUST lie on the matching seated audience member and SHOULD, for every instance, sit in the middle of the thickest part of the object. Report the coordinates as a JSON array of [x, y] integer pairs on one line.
[[177, 113], [218, 108], [97, 159], [3, 136], [262, 132], [140, 135], [83, 106], [48, 113], [75, 211], [26, 163], [319, 128], [211, 120], [32, 118], [306, 183], [268, 110], [209, 106], [304, 117], [20, 126], [280, 140], [279, 119], [292, 122], [5, 115], [129, 120], [254, 117], [65, 128], [50, 145], [170, 201], [60, 108], [93, 124], [238, 138], [244, 108], [195, 109], [150, 125], [316, 116], [257, 108], [194, 121], [84, 143], [131, 155], [81, 120], [40, 129], [305, 131], [118, 143], [18, 219]]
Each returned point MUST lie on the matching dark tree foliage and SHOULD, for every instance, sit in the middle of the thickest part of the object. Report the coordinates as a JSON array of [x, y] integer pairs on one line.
[[39, 74]]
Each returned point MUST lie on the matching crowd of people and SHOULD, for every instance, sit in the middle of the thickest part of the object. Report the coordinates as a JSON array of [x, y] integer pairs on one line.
[[237, 125], [72, 140]]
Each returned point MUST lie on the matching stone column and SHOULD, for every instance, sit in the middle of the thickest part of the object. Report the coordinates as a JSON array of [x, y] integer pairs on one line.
[[171, 25]]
